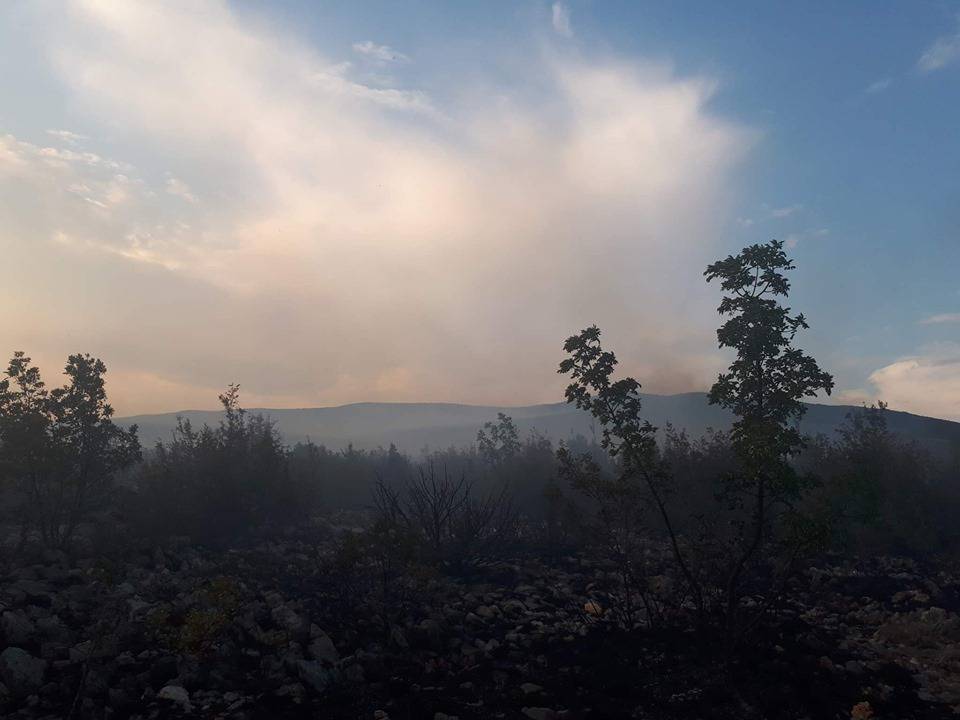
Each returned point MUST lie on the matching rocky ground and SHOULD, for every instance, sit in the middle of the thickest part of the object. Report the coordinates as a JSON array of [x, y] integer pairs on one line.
[[273, 631]]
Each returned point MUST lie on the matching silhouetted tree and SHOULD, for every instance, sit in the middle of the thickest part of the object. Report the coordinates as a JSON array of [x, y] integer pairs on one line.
[[764, 387], [498, 442], [640, 477], [224, 482], [61, 447]]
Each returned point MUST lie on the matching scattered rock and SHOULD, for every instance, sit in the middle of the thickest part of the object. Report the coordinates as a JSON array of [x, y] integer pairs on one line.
[[473, 646], [539, 713]]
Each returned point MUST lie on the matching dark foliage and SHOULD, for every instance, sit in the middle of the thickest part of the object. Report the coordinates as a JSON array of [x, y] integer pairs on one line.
[[882, 493], [216, 484], [60, 447], [750, 535], [764, 388]]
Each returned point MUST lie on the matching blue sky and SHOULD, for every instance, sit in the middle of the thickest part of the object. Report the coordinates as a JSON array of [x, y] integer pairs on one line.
[[344, 201]]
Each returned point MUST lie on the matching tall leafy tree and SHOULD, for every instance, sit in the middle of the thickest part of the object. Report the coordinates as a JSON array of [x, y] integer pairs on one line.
[[764, 387], [641, 478]]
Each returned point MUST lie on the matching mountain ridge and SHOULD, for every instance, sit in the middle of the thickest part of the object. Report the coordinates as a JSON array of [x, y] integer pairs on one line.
[[412, 426]]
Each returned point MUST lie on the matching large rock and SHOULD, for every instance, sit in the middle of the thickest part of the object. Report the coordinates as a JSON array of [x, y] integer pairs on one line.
[[429, 634], [294, 692], [21, 672], [287, 619], [176, 695], [16, 628], [139, 609], [321, 647], [315, 675]]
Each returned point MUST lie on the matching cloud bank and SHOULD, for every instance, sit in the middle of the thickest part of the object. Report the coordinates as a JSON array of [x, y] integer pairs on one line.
[[925, 384], [275, 221]]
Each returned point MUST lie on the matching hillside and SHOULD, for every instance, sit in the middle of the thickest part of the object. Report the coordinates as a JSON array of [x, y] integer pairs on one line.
[[413, 426]]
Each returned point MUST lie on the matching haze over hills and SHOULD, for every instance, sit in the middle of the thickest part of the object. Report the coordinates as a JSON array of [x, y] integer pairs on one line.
[[414, 426]]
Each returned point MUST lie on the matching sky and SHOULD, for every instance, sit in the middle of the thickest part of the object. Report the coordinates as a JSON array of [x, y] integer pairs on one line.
[[375, 201]]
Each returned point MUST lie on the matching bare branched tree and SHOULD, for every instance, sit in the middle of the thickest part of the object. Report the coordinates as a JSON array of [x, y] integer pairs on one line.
[[453, 524]]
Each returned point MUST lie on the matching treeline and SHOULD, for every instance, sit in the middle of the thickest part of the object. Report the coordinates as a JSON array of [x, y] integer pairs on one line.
[[237, 479], [66, 466]]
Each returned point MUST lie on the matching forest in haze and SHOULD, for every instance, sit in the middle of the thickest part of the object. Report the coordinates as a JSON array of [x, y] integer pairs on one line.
[[608, 568]]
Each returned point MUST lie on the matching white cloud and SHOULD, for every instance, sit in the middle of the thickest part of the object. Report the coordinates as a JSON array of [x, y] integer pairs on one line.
[[86, 205], [878, 86], [67, 136], [59, 156], [333, 81], [362, 242], [944, 51], [783, 212], [379, 53], [926, 384], [560, 18], [178, 188], [941, 318], [793, 239]]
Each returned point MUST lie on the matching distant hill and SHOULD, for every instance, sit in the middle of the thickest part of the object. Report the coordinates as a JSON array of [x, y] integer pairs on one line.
[[413, 426]]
